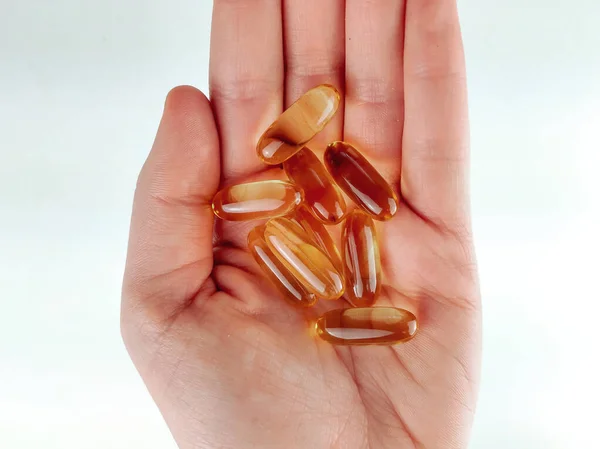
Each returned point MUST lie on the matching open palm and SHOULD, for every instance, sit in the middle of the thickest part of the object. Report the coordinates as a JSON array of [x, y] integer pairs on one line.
[[229, 363]]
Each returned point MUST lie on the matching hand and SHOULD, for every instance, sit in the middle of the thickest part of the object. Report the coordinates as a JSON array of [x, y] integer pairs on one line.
[[229, 363]]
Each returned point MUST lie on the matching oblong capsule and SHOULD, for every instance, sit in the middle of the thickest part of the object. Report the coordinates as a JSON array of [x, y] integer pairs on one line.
[[318, 234], [320, 192], [362, 264], [256, 200], [298, 124], [367, 326], [308, 263], [360, 180], [276, 272]]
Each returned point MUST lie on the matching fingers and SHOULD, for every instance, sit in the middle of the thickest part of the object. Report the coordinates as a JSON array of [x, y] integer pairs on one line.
[[314, 54], [170, 242], [246, 77], [374, 85], [435, 150]]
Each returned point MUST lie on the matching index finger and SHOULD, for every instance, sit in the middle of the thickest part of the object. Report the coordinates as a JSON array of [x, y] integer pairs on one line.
[[245, 78]]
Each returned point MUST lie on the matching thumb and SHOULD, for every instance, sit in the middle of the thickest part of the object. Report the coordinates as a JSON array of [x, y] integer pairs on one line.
[[170, 255]]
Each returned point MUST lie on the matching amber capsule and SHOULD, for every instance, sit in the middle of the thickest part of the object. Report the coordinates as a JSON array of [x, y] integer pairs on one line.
[[309, 264], [360, 181], [256, 200], [367, 326], [320, 192], [276, 272], [362, 265], [298, 124], [318, 234]]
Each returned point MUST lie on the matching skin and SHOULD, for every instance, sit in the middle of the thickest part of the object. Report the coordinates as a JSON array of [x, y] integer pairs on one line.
[[229, 363]]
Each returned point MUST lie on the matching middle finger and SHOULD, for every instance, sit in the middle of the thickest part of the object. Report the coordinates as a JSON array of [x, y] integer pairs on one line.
[[314, 54]]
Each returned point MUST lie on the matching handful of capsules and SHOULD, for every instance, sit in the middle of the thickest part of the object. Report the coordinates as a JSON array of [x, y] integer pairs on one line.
[[294, 248]]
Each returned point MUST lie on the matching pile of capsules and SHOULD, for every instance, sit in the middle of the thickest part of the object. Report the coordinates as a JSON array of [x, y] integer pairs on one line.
[[294, 248]]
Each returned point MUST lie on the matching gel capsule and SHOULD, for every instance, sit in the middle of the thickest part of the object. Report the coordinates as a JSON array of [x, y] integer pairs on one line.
[[367, 326], [276, 272], [309, 264], [360, 253], [325, 200], [298, 124], [256, 200], [318, 234], [360, 181]]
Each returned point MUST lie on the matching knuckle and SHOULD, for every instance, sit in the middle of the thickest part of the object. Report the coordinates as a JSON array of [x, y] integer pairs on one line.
[[239, 88]]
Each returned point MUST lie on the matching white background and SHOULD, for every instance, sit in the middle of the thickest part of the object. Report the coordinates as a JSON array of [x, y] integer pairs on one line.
[[82, 85]]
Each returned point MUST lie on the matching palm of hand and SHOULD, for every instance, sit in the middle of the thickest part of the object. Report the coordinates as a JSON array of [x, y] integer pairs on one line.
[[229, 363]]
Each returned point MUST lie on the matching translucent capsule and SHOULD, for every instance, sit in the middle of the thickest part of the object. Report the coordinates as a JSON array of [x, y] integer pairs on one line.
[[360, 181], [298, 124], [362, 265], [367, 326], [325, 200], [256, 200], [318, 234], [309, 264], [276, 272]]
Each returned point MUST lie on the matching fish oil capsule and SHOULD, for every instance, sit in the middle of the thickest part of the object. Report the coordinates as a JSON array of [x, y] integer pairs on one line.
[[362, 265], [298, 124], [360, 181], [309, 264], [325, 200], [318, 234], [276, 272], [367, 326], [256, 200]]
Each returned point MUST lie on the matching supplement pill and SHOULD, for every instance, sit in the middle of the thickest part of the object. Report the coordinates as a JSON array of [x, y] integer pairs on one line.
[[276, 272], [256, 200], [360, 180], [360, 254], [298, 124], [318, 234], [309, 264], [320, 192], [367, 326]]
